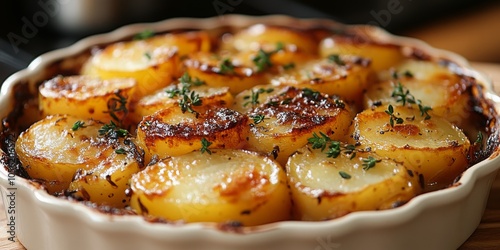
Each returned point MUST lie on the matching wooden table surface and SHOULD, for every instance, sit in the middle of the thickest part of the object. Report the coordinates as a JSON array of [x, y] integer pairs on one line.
[[486, 236]]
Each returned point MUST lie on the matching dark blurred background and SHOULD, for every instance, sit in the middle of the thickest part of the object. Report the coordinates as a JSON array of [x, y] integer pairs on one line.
[[29, 28]]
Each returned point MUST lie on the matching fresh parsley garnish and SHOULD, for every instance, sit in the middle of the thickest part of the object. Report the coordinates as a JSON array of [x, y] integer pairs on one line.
[[204, 146], [289, 66]]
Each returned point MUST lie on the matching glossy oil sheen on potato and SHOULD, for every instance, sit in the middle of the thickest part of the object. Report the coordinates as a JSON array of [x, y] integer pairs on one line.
[[223, 186], [433, 148], [324, 187]]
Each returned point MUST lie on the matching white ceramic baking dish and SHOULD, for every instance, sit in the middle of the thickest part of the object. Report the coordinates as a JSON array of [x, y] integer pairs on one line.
[[440, 220]]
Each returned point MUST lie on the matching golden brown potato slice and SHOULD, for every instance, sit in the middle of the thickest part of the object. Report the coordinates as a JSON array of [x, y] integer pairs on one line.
[[326, 187], [266, 37], [106, 183], [382, 55], [154, 62], [432, 148], [87, 97], [224, 186], [283, 119], [223, 71], [434, 85], [172, 131], [55, 148], [345, 76], [170, 96]]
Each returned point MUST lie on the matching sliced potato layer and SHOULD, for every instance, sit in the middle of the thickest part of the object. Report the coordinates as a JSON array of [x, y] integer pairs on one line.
[[345, 76], [434, 85], [221, 71], [432, 148], [166, 97], [153, 62], [382, 55], [323, 187], [86, 97], [267, 37], [55, 148], [289, 117], [172, 132], [224, 186]]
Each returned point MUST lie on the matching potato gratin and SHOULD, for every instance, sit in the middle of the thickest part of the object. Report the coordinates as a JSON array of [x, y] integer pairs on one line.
[[251, 126]]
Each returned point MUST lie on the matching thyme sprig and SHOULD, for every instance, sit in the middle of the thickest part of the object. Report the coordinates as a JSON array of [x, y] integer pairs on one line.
[[393, 118], [112, 131], [335, 148], [117, 107], [403, 96], [188, 97], [204, 146], [263, 59], [369, 162], [253, 98], [77, 125]]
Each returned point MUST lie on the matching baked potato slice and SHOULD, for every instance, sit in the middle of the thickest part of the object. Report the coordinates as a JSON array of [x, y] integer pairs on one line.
[[266, 37], [224, 186], [53, 149], [87, 97], [342, 75], [326, 187], [224, 71], [107, 182], [382, 55], [431, 147], [448, 94], [172, 131], [171, 96], [287, 118], [154, 62]]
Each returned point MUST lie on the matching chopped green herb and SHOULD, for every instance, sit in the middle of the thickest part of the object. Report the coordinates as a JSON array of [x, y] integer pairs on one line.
[[393, 118], [77, 125], [147, 55], [403, 95], [289, 66], [319, 141], [254, 97], [479, 140], [117, 106], [144, 35], [335, 148], [120, 151], [226, 67], [408, 73], [187, 101], [258, 118], [335, 58], [310, 93], [112, 131], [263, 59], [204, 146], [369, 162], [344, 175]]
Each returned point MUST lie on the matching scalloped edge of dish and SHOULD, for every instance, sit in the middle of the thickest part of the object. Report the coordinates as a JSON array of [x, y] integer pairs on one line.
[[47, 222]]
